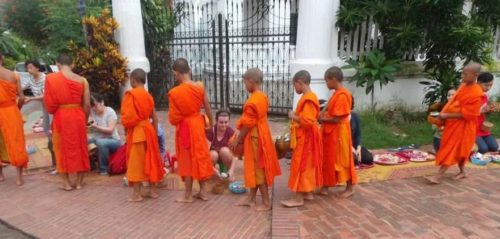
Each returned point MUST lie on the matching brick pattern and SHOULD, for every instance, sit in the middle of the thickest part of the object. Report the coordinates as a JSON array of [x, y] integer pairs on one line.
[[409, 209]]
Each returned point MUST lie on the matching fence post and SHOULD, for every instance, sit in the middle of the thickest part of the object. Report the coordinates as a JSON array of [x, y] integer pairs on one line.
[[221, 62], [214, 54], [226, 102]]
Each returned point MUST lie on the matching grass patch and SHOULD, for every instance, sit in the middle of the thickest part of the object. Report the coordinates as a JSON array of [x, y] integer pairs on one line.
[[379, 131]]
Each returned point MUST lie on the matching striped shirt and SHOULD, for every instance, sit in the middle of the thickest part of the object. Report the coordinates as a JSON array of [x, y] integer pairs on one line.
[[37, 87]]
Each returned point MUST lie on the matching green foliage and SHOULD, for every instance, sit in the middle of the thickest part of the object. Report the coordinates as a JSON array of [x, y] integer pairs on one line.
[[437, 28], [49, 24], [159, 22], [373, 68]]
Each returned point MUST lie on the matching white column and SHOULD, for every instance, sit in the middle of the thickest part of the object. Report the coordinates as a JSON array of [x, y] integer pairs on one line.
[[130, 33], [316, 48]]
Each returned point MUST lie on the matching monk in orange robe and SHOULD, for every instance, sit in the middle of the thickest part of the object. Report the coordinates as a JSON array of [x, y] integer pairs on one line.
[[305, 171], [338, 161], [459, 118], [139, 118], [192, 151], [67, 97], [260, 159], [12, 143]]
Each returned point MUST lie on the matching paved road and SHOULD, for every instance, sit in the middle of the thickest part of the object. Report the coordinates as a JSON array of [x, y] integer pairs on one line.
[[7, 232]]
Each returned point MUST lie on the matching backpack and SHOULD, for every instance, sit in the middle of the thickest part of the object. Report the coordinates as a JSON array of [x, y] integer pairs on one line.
[[118, 161]]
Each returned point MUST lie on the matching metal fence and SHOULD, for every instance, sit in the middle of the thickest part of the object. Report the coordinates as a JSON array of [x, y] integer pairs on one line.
[[220, 47]]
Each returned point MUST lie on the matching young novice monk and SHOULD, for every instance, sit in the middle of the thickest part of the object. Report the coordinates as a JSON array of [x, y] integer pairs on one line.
[[459, 116], [186, 101], [12, 142], [260, 159], [338, 161], [143, 153], [305, 171]]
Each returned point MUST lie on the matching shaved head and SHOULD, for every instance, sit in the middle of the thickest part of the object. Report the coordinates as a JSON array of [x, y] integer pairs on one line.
[[139, 75], [254, 74], [474, 67], [302, 76], [181, 65], [334, 72], [64, 60]]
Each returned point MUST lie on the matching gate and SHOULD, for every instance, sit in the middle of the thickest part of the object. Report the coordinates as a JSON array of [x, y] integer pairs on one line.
[[222, 39]]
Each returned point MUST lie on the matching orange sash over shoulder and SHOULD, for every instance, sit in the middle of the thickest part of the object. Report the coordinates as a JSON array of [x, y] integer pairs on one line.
[[305, 171], [338, 161], [459, 135], [143, 152], [64, 99], [192, 151], [254, 117], [12, 141]]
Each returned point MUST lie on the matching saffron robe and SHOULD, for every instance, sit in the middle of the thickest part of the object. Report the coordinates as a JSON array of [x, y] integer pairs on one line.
[[12, 141], [459, 135], [191, 145], [305, 170], [143, 151], [260, 160], [64, 99], [338, 161]]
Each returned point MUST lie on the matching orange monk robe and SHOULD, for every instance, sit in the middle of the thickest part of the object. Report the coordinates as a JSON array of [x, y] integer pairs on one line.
[[12, 142], [143, 153], [459, 135], [260, 160], [63, 98], [191, 145], [305, 171], [338, 161]]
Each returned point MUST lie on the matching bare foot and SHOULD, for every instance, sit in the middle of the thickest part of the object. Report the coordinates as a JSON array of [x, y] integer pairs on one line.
[[152, 195], [432, 180], [246, 203], [135, 198], [308, 196], [346, 194], [201, 196], [459, 176], [324, 191], [184, 200], [292, 203], [80, 186], [19, 182], [65, 187], [263, 207]]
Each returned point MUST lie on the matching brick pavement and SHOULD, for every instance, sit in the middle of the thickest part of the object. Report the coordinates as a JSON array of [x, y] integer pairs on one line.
[[406, 208]]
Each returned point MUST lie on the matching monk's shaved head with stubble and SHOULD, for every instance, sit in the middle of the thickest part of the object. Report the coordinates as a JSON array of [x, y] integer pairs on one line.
[[255, 75], [334, 73], [64, 60], [474, 67], [471, 72], [181, 65], [139, 75], [302, 76]]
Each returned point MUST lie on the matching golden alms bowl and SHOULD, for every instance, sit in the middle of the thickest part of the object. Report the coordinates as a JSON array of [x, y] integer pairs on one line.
[[282, 145]]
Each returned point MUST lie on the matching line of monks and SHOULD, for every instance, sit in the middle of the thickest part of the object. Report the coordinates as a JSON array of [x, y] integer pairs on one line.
[[321, 140]]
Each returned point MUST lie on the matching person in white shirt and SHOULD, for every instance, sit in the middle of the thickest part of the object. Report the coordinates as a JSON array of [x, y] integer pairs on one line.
[[105, 135]]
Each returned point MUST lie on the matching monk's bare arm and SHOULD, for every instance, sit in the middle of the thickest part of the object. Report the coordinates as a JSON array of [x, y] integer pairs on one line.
[[155, 120], [331, 120], [20, 94], [208, 110], [86, 99], [445, 116], [243, 133]]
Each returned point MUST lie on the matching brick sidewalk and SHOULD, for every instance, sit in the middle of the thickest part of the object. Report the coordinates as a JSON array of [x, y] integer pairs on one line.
[[406, 208]]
